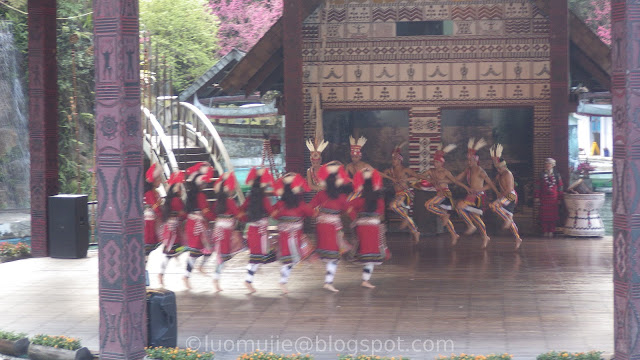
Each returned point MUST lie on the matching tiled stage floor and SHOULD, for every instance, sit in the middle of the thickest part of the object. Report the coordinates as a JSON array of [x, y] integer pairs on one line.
[[430, 300]]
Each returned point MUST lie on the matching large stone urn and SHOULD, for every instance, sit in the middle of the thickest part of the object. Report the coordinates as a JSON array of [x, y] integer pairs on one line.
[[583, 216]]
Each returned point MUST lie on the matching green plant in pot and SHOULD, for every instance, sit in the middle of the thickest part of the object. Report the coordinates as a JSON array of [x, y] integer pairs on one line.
[[14, 344], [45, 347]]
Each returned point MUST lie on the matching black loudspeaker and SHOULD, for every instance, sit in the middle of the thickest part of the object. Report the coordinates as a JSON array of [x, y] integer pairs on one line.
[[162, 318], [68, 226]]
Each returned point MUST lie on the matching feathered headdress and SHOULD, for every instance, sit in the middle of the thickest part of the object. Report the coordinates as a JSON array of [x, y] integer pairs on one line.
[[473, 146], [356, 145], [294, 180], [263, 173], [364, 174], [439, 155], [200, 168], [333, 167], [397, 152], [204, 178], [496, 155], [153, 173], [316, 148], [176, 178], [227, 182]]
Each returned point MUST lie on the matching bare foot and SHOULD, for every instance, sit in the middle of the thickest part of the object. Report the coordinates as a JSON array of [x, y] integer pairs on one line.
[[330, 287], [470, 230], [161, 279], [250, 287], [518, 243], [454, 239], [186, 282], [485, 241], [368, 285], [284, 289], [216, 283]]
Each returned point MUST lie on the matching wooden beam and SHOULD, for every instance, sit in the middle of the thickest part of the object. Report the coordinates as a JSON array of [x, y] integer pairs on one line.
[[264, 72]]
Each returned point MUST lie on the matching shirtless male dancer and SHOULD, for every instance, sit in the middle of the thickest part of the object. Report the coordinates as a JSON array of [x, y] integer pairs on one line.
[[470, 209], [356, 163], [507, 198]]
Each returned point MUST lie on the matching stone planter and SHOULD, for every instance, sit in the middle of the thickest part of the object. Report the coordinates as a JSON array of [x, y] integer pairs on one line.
[[14, 347], [583, 214], [41, 352]]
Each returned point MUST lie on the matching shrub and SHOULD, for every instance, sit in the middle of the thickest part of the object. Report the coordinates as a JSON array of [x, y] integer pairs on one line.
[[163, 353], [565, 355], [370, 357], [476, 357], [8, 250], [11, 336], [59, 342], [261, 355]]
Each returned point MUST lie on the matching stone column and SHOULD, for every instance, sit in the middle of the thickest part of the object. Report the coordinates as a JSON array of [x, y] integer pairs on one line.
[[559, 41], [293, 97], [43, 117], [119, 173]]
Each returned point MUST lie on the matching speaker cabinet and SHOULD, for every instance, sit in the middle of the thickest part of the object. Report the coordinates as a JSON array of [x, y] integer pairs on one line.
[[162, 318], [68, 226]]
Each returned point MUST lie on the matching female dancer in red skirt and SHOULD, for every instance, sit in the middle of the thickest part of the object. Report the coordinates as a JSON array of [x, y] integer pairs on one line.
[[366, 212], [331, 203], [199, 215], [152, 210], [225, 210], [173, 214], [290, 211], [255, 211]]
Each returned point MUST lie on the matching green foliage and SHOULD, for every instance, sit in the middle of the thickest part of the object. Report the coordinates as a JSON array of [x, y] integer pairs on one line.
[[11, 336], [370, 357], [476, 357], [163, 353], [58, 342], [8, 250], [261, 355], [565, 355], [184, 33]]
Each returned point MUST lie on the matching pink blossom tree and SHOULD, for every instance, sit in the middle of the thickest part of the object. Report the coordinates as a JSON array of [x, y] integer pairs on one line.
[[243, 22], [600, 19]]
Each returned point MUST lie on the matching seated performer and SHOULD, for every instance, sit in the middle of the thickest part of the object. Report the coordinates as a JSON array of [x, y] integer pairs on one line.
[[331, 203], [198, 217], [172, 214], [316, 150], [366, 212], [255, 212], [290, 211], [440, 179], [152, 209], [507, 197], [402, 178], [356, 163], [225, 210], [470, 209]]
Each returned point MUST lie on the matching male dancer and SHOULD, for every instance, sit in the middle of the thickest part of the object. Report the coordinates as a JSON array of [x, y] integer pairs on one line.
[[315, 149], [507, 198], [356, 163], [470, 209], [440, 179]]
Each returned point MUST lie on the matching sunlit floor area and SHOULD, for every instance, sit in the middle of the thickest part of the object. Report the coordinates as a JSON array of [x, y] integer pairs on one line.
[[430, 299]]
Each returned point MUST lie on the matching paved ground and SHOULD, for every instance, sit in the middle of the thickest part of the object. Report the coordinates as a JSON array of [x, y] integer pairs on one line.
[[553, 294]]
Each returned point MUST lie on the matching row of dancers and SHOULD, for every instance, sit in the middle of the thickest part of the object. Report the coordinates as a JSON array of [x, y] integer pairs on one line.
[[327, 207]]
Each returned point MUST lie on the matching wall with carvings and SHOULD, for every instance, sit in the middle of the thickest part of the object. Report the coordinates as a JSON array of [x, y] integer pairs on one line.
[[496, 54]]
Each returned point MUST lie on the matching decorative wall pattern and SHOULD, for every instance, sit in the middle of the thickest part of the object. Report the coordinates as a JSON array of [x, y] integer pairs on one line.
[[495, 54]]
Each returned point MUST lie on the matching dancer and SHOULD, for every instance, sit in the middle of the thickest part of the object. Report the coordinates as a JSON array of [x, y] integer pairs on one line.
[[173, 214], [152, 210], [366, 212], [356, 163], [507, 198], [199, 215], [255, 212], [331, 203], [316, 150], [440, 179], [548, 194], [225, 209], [290, 211], [401, 178], [470, 209]]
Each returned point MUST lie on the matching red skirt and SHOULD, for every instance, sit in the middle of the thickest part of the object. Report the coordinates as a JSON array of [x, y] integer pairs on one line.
[[258, 243], [370, 247], [195, 231]]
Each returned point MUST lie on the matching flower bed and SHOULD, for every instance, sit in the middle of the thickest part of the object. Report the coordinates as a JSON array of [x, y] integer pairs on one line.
[[370, 357], [260, 355], [163, 353], [14, 344], [565, 355], [476, 357], [45, 347], [9, 251]]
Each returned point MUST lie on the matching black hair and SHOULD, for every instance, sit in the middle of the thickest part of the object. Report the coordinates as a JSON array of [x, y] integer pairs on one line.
[[193, 190], [166, 209], [256, 209], [332, 190], [370, 196], [148, 186], [221, 200], [291, 200]]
